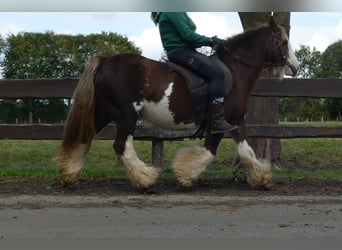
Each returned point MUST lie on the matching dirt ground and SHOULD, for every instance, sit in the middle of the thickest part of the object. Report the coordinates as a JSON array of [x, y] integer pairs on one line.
[[204, 186]]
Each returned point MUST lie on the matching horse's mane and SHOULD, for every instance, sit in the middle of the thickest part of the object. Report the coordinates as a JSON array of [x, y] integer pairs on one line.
[[237, 40]]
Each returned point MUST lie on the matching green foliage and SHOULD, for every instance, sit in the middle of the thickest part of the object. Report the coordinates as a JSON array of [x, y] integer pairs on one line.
[[2, 44], [10, 110], [302, 109], [310, 62], [332, 68], [48, 55], [332, 61], [239, 174], [315, 65]]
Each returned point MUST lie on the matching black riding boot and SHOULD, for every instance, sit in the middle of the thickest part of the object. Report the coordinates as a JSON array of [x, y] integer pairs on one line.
[[218, 122]]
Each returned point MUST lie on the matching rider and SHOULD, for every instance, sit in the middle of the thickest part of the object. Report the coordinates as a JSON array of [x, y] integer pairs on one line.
[[180, 40]]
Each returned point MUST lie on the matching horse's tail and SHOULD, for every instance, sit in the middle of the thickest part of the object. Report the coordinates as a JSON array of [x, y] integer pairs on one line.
[[79, 128]]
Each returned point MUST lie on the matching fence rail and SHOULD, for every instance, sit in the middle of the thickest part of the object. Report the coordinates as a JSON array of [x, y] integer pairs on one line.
[[63, 88], [149, 132], [267, 87]]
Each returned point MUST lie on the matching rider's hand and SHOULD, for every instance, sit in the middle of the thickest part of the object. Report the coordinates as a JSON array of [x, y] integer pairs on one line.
[[215, 41]]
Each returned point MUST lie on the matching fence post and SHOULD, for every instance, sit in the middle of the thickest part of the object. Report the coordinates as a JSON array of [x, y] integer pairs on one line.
[[157, 152]]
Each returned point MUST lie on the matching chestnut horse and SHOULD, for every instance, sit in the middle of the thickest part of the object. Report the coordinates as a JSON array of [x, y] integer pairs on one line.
[[124, 87]]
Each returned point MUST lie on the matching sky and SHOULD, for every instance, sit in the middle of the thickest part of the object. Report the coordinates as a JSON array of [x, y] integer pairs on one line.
[[314, 29]]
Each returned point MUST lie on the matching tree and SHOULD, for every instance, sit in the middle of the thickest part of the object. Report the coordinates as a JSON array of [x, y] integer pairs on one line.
[[2, 44], [310, 62], [303, 108], [331, 64], [332, 68], [48, 55], [315, 64], [265, 109]]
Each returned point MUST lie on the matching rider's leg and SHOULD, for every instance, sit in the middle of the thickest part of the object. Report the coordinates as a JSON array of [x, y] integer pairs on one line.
[[207, 69]]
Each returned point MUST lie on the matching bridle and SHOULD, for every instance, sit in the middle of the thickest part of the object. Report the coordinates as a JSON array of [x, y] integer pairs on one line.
[[276, 44], [276, 41]]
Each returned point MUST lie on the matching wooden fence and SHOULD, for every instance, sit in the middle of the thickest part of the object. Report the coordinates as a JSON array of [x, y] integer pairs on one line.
[[63, 88]]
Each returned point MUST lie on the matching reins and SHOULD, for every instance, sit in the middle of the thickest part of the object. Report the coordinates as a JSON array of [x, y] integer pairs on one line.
[[238, 58], [266, 64]]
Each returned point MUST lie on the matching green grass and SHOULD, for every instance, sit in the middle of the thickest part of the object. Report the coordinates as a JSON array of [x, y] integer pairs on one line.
[[301, 158], [302, 173], [312, 153], [314, 123]]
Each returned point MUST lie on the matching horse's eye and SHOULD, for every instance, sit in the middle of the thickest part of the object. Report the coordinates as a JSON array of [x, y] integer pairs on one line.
[[285, 42]]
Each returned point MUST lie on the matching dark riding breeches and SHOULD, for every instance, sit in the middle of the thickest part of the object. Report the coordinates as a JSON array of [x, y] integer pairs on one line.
[[203, 67]]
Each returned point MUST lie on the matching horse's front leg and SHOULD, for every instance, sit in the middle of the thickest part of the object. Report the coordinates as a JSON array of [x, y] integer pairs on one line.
[[140, 175], [191, 162], [258, 171]]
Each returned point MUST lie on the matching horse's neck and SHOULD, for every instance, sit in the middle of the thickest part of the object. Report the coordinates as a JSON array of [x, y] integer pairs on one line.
[[254, 56], [253, 46]]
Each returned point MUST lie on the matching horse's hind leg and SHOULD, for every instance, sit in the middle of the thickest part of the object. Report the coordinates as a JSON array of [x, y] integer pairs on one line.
[[140, 175]]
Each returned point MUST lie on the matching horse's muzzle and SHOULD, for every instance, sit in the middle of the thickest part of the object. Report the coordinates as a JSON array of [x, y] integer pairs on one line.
[[293, 69]]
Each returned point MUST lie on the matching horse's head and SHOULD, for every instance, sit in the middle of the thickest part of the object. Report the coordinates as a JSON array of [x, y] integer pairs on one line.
[[281, 53]]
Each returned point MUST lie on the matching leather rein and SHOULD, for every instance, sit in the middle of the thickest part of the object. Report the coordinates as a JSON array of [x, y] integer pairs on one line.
[[284, 62]]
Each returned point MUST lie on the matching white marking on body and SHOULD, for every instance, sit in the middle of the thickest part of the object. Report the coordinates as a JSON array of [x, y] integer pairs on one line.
[[159, 113], [141, 176], [138, 107], [245, 151], [292, 59], [259, 172]]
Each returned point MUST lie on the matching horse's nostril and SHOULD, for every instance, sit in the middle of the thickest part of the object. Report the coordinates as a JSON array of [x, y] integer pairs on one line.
[[293, 69]]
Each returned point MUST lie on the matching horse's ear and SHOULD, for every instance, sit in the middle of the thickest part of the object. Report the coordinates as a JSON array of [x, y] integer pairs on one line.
[[273, 24]]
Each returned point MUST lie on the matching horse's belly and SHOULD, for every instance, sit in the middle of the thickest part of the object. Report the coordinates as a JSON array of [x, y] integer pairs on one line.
[[160, 115]]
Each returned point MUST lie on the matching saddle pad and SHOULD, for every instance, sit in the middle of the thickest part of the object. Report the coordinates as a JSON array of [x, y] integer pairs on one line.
[[197, 85]]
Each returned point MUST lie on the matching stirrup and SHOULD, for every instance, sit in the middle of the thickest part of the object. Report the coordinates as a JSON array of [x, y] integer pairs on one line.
[[199, 133]]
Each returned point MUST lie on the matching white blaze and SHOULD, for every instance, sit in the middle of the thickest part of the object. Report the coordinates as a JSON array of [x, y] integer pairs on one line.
[[292, 57]]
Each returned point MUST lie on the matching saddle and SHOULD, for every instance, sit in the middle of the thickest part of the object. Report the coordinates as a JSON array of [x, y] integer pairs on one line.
[[197, 85], [198, 88]]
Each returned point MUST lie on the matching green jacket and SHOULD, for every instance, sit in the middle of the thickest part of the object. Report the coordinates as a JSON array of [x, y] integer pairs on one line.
[[177, 30]]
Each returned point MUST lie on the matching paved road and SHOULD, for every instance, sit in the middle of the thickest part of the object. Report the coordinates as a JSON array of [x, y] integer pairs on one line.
[[174, 216]]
